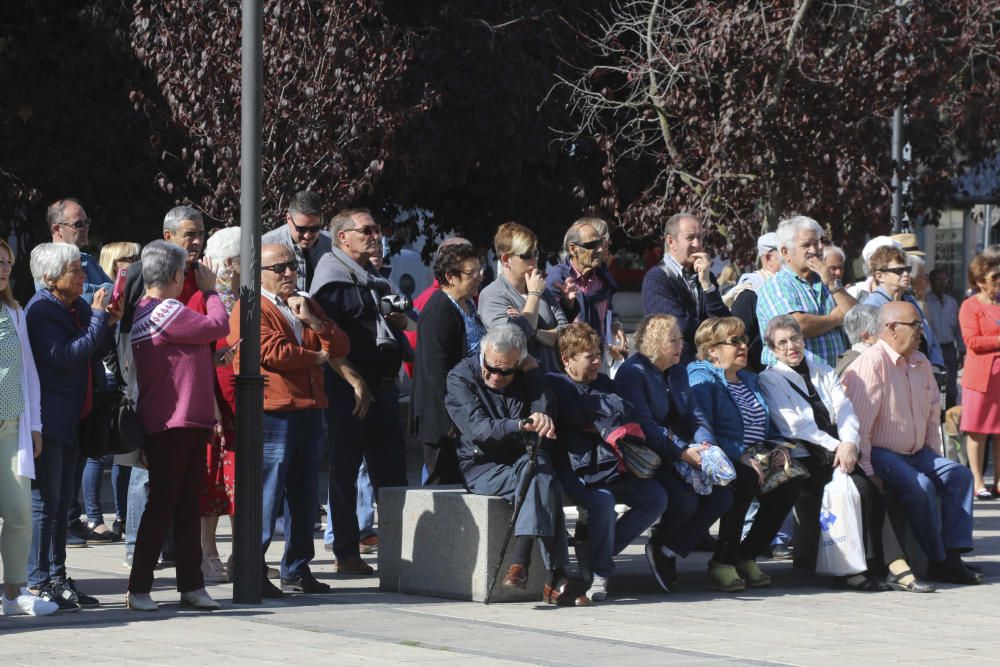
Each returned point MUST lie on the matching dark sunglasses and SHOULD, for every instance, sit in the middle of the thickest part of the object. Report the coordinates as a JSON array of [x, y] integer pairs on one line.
[[308, 230], [898, 270], [282, 267], [502, 372], [589, 245], [528, 256], [367, 230], [735, 341], [131, 259]]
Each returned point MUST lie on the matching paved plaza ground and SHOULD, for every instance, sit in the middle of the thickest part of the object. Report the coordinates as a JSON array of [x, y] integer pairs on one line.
[[800, 620]]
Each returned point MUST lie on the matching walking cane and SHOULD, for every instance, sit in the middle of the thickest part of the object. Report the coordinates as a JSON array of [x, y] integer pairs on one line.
[[532, 446]]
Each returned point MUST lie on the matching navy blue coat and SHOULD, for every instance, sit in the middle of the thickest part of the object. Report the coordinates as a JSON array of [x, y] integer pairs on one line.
[[64, 353], [663, 405], [669, 294]]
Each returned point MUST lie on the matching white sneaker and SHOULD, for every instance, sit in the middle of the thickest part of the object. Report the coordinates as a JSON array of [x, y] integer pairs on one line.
[[199, 599], [141, 602], [29, 604], [214, 571], [598, 591]]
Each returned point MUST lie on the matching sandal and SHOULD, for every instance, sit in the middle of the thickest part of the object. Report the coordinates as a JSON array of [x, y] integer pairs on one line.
[[983, 494], [725, 578], [915, 585], [867, 584]]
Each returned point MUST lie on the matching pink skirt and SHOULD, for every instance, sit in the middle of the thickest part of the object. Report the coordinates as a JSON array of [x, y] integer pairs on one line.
[[981, 410]]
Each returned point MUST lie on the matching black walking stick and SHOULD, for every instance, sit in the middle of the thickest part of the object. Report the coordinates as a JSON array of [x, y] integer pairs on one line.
[[532, 445]]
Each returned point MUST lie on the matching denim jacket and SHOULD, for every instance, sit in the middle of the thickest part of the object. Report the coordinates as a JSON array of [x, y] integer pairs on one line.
[[708, 383]]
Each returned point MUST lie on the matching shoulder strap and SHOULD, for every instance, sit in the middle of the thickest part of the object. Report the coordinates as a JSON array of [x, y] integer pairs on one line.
[[798, 390]]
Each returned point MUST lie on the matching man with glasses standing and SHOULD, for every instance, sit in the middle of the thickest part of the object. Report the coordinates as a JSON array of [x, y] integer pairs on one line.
[[683, 285], [363, 416], [303, 234], [898, 406], [806, 289]]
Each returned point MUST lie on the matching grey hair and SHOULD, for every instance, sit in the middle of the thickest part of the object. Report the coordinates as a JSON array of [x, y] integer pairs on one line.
[[57, 209], [780, 322], [503, 338], [161, 260], [344, 220], [573, 233], [918, 263], [222, 245], [178, 214], [790, 228], [49, 260], [861, 319], [834, 250]]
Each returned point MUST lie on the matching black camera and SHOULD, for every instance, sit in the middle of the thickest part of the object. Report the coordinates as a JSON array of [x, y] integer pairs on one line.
[[394, 303]]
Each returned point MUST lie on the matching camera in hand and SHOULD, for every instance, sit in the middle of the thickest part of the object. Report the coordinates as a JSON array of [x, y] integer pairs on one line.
[[394, 303]]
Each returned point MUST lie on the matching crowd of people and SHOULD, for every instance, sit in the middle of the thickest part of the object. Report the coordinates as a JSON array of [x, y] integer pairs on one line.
[[740, 404]]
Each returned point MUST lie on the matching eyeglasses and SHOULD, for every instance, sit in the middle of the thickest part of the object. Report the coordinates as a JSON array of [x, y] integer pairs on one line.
[[502, 372], [994, 278], [528, 256], [473, 272], [282, 267], [79, 224], [735, 341], [367, 230], [589, 245], [915, 325], [309, 230], [131, 259], [898, 270], [794, 341]]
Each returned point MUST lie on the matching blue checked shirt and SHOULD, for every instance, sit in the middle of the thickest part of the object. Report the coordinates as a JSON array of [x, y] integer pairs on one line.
[[787, 293]]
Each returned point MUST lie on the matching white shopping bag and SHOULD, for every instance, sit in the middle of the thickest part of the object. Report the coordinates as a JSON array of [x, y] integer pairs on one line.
[[841, 542]]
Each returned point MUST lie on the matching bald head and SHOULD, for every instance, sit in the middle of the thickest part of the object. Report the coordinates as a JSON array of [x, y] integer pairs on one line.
[[900, 327], [283, 283]]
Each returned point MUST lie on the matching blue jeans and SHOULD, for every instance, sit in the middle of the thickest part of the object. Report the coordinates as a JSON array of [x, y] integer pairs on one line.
[[365, 508], [377, 440], [93, 476], [607, 534], [689, 515], [138, 494], [51, 492], [918, 480], [293, 448]]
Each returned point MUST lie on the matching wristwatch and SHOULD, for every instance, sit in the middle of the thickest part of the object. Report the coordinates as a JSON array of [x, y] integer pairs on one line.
[[837, 286]]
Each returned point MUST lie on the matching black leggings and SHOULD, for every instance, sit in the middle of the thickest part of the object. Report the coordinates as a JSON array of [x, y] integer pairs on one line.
[[774, 507]]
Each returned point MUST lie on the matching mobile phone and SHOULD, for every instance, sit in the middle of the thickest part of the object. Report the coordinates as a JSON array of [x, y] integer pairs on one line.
[[221, 355], [119, 289]]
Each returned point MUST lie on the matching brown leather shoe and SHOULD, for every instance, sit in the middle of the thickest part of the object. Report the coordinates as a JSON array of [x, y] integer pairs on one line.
[[354, 565], [559, 595], [516, 577], [368, 545]]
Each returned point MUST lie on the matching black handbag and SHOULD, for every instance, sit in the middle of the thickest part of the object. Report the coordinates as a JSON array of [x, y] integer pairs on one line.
[[96, 430], [128, 428]]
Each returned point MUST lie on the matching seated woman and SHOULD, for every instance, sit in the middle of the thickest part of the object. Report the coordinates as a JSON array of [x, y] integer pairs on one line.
[[495, 401], [656, 387], [590, 413], [808, 404], [729, 396]]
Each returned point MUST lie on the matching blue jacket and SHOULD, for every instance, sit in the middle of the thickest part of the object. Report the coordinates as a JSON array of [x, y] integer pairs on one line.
[[668, 294], [662, 404], [708, 383], [96, 278], [64, 354]]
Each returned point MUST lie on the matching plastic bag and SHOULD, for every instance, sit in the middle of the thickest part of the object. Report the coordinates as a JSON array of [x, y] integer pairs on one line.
[[841, 542]]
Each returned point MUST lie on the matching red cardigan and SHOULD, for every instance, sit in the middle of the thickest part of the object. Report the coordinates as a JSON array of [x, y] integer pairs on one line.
[[981, 334], [294, 380]]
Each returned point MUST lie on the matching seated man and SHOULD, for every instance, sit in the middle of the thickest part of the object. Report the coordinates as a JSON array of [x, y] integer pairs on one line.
[[497, 403], [898, 406]]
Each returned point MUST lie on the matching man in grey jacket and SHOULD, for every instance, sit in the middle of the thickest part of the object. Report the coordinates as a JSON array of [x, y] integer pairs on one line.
[[303, 234]]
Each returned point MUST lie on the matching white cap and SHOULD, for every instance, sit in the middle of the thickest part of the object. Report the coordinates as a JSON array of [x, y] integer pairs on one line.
[[875, 244], [767, 243]]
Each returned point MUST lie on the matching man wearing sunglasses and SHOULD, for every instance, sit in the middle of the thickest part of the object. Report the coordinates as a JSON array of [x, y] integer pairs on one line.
[[585, 285], [495, 401], [893, 278], [363, 416], [304, 235], [898, 405], [683, 285], [68, 223]]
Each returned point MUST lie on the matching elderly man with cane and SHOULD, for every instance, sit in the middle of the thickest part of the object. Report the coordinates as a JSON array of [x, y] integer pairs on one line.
[[496, 400]]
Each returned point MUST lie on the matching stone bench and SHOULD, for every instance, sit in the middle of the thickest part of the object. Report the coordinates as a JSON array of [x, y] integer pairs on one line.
[[445, 542]]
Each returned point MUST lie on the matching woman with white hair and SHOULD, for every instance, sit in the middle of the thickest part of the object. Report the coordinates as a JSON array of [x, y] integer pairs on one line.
[[69, 338], [218, 491], [172, 348]]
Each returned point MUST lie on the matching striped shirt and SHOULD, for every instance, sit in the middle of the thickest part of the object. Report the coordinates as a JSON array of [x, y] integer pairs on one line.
[[589, 285], [897, 402], [788, 293], [754, 417]]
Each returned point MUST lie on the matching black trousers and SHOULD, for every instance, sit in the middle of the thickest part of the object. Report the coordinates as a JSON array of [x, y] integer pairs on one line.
[[774, 507], [881, 544], [441, 461]]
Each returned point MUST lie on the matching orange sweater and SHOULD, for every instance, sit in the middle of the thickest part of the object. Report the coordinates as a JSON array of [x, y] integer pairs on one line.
[[294, 379]]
